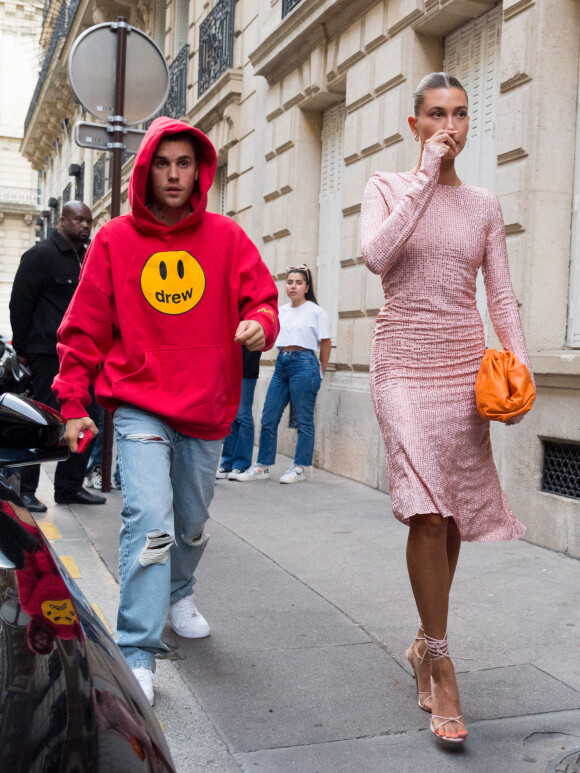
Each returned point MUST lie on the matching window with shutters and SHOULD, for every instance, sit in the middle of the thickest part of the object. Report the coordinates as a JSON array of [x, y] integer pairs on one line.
[[159, 24], [472, 55], [181, 25], [573, 337], [223, 182], [574, 306], [217, 195], [331, 174]]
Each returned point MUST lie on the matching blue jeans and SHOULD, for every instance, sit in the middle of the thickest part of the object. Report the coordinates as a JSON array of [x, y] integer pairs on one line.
[[167, 481], [239, 444], [297, 378]]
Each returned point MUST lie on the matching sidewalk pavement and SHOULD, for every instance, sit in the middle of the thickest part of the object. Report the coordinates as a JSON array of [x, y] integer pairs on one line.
[[306, 591]]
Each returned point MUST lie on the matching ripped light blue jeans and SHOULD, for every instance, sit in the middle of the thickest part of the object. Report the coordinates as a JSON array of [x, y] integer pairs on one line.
[[167, 480]]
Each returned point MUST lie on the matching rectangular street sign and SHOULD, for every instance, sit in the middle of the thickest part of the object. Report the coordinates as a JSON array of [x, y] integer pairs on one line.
[[99, 137]]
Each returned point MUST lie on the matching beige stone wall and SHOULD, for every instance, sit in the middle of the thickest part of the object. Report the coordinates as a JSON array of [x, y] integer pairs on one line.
[[19, 30], [16, 236], [374, 63], [370, 71], [264, 117], [535, 143], [539, 93], [552, 521]]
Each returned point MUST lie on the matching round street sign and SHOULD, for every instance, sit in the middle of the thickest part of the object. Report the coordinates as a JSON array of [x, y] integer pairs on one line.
[[91, 69]]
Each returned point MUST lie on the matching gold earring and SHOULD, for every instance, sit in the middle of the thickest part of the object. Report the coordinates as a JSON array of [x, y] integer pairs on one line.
[[416, 138]]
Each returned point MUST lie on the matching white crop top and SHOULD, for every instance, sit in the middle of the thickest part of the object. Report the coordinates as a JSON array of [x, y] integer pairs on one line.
[[305, 326]]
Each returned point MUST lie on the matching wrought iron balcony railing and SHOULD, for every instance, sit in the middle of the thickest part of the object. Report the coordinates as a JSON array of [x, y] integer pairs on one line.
[[216, 44], [62, 24], [99, 178], [176, 104], [287, 6]]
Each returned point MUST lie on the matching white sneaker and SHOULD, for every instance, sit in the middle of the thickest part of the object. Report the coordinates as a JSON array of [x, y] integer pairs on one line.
[[145, 678], [186, 620], [255, 472], [293, 474], [95, 480], [234, 474], [222, 473]]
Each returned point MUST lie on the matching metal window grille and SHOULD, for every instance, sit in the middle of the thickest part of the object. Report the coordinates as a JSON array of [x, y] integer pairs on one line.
[[176, 106], [61, 21], [124, 158], [287, 6], [66, 194], [216, 44], [80, 184], [99, 179], [561, 471]]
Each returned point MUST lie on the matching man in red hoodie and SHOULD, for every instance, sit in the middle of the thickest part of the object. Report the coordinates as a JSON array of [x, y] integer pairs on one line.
[[168, 294]]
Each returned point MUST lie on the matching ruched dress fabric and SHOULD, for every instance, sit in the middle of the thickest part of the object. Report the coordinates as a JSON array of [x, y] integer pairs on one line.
[[427, 241]]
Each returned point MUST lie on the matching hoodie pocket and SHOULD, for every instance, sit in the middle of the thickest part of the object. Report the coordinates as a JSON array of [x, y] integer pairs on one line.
[[192, 386]]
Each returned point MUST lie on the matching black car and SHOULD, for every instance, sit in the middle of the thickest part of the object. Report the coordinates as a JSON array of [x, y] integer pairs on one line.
[[68, 700]]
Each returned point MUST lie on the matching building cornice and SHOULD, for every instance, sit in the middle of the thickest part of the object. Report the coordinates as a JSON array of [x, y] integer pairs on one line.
[[441, 17], [310, 23], [27, 212], [212, 106]]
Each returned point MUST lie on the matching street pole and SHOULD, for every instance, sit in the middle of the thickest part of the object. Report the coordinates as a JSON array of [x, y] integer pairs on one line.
[[118, 124]]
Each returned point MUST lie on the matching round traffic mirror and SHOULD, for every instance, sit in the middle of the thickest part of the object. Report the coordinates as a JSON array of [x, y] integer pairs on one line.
[[92, 65]]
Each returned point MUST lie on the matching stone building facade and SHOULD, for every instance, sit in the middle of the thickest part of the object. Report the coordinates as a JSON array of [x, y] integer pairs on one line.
[[20, 25], [303, 100]]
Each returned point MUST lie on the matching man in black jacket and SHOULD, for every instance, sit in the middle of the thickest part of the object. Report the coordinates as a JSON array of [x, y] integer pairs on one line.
[[43, 288]]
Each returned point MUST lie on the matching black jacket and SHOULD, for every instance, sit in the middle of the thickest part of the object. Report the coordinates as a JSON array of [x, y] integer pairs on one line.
[[251, 363], [43, 287]]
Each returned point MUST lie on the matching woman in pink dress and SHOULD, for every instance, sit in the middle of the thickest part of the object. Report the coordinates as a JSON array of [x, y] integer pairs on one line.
[[427, 234]]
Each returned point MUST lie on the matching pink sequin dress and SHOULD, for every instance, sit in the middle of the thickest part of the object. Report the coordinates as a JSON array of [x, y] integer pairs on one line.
[[427, 242]]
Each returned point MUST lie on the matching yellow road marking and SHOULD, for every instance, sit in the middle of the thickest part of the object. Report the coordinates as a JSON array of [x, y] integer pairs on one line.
[[70, 564], [49, 530], [160, 722], [101, 617]]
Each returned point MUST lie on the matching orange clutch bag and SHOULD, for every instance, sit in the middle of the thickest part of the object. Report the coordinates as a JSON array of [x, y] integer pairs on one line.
[[503, 387]]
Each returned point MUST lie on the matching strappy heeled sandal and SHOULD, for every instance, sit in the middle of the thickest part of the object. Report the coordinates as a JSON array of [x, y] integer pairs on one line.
[[437, 649], [409, 654], [449, 737]]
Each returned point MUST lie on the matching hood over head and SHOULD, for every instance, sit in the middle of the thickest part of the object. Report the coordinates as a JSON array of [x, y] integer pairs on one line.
[[162, 128]]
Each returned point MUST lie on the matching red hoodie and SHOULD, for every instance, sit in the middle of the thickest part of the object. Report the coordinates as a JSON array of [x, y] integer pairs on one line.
[[152, 322]]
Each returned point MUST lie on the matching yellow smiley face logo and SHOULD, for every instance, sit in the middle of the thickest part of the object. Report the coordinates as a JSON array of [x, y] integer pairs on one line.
[[61, 612], [172, 282]]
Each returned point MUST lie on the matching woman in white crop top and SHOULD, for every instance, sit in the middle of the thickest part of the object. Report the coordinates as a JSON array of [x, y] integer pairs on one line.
[[304, 329]]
